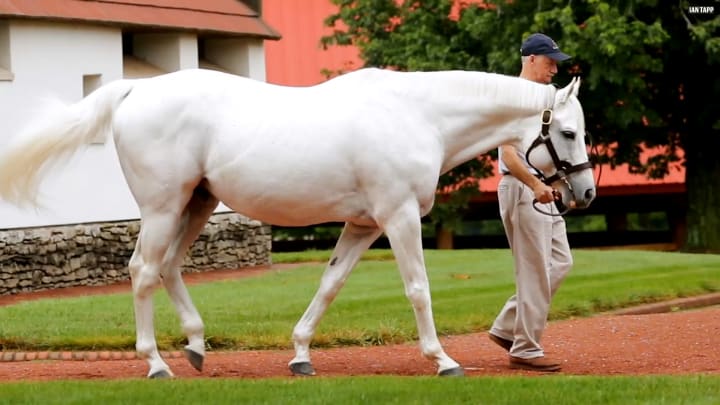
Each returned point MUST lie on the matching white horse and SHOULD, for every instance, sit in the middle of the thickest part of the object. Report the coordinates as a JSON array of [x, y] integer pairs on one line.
[[365, 148]]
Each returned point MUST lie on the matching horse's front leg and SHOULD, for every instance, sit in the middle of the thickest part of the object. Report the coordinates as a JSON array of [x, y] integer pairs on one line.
[[403, 229], [353, 242]]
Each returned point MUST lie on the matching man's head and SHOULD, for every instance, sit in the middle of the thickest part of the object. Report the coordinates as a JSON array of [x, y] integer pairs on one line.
[[540, 55], [541, 44]]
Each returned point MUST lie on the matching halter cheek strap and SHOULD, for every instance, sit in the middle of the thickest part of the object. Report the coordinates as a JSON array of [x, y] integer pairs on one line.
[[563, 168]]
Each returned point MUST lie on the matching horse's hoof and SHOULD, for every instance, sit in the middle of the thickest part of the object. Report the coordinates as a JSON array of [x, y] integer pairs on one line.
[[452, 372], [302, 369], [196, 359], [160, 375]]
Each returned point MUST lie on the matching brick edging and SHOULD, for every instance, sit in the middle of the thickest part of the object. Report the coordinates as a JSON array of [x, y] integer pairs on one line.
[[79, 356]]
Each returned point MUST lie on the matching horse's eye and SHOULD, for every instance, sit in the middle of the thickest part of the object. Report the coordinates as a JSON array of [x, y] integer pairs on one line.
[[568, 134]]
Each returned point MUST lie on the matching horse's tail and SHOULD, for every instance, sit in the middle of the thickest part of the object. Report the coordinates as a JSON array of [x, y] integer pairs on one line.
[[55, 137]]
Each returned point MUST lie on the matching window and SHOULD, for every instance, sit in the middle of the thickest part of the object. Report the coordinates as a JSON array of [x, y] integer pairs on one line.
[[90, 83], [203, 61], [135, 67], [6, 73]]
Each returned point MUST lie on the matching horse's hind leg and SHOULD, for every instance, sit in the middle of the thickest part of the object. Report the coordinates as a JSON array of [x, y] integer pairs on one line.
[[199, 209], [164, 239], [157, 232], [404, 232], [353, 242]]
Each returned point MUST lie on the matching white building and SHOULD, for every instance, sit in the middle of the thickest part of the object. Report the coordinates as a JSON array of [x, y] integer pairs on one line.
[[67, 48]]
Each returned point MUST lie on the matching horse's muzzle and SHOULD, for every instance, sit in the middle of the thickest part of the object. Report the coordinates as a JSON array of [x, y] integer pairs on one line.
[[588, 197]]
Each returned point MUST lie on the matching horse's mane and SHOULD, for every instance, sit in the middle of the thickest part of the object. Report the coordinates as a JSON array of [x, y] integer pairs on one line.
[[511, 91], [503, 90]]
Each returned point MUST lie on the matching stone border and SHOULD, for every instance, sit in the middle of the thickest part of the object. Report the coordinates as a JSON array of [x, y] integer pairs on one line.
[[37, 259], [678, 304]]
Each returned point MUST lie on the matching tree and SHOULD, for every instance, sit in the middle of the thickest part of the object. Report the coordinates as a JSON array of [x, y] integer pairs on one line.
[[649, 73]]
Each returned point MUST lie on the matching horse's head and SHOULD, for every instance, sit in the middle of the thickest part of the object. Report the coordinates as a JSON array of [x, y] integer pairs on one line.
[[559, 151]]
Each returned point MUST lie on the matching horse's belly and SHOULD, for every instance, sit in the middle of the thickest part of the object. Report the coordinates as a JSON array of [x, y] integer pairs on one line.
[[297, 217], [295, 213], [291, 203], [318, 172]]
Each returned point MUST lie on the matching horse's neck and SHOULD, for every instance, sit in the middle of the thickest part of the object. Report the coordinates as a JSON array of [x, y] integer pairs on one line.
[[491, 90], [475, 112]]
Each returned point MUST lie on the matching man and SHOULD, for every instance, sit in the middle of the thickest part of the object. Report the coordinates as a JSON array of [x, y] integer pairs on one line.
[[538, 242]]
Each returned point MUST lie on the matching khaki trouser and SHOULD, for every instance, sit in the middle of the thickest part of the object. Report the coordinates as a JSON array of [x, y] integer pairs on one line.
[[542, 260]]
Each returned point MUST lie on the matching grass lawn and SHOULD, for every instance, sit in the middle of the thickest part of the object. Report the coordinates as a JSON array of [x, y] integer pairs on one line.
[[552, 390], [468, 288]]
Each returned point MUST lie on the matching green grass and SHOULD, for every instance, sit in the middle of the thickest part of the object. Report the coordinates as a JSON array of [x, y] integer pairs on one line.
[[555, 390], [324, 256], [468, 289]]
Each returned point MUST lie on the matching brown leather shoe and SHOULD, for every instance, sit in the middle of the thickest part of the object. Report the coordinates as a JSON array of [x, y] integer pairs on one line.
[[536, 364], [504, 343]]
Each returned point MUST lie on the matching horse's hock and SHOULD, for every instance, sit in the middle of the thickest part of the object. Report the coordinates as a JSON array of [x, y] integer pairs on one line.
[[35, 259]]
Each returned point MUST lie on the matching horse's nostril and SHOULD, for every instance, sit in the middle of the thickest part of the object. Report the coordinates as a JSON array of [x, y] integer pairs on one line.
[[589, 194]]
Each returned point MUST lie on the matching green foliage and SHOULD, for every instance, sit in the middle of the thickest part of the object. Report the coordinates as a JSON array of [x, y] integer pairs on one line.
[[463, 181]]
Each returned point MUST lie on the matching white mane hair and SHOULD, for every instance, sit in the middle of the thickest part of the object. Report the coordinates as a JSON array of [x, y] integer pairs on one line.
[[504, 91]]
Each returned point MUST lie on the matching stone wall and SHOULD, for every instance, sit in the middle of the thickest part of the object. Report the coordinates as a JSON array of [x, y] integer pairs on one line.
[[35, 259]]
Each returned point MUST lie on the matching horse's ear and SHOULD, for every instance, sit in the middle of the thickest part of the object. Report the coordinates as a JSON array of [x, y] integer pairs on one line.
[[576, 88], [573, 88]]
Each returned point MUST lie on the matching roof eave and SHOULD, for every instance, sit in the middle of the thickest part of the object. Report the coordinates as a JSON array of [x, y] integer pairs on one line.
[[268, 33]]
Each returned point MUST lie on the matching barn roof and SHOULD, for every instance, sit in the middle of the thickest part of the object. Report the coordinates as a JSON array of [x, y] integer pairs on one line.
[[226, 17]]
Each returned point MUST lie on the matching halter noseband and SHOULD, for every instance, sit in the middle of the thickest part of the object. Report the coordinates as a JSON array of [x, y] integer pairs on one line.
[[563, 167]]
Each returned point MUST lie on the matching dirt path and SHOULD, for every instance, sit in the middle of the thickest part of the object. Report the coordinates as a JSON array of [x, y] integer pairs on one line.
[[681, 342]]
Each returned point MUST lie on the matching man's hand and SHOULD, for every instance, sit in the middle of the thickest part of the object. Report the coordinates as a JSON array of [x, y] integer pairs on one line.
[[544, 193]]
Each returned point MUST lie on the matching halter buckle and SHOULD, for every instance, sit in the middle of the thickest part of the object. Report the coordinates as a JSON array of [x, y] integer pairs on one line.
[[547, 116]]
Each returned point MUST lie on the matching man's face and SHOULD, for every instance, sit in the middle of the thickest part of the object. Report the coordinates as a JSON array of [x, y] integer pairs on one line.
[[543, 68]]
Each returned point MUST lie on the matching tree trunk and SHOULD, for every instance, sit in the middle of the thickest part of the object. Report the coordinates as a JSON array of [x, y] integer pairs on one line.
[[702, 179], [443, 238]]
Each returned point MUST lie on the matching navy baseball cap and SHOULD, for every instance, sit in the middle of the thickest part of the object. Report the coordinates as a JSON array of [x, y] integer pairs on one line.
[[541, 44]]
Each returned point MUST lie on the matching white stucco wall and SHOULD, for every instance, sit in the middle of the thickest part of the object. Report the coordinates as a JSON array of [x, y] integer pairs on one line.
[[49, 59]]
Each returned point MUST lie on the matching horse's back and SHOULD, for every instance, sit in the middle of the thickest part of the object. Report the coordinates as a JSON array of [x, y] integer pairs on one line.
[[263, 147], [232, 111]]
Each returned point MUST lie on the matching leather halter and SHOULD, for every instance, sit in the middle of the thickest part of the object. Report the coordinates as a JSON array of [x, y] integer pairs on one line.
[[563, 167]]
